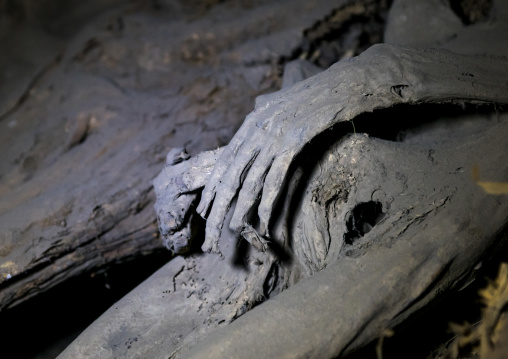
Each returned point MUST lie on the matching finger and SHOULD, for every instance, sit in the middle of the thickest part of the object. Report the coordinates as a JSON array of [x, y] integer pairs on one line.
[[218, 171], [221, 166], [261, 119], [173, 215], [225, 192], [180, 241], [272, 187], [250, 191], [200, 168], [176, 155], [172, 204], [214, 228]]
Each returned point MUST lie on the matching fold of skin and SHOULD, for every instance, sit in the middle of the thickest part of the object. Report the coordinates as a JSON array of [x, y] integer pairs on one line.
[[255, 163], [438, 226]]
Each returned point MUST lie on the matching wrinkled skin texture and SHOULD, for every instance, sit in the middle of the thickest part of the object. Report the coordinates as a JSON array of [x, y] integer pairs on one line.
[[256, 161], [430, 243], [376, 282]]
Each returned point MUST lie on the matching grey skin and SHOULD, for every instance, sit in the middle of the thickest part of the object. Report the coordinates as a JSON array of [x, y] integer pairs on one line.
[[254, 165], [255, 162], [347, 295], [332, 297]]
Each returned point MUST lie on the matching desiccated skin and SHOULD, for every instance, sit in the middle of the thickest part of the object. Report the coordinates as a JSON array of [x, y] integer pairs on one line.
[[177, 185], [176, 188], [438, 227], [255, 162]]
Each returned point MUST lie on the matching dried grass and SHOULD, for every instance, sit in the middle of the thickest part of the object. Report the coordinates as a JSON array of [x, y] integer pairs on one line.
[[480, 340]]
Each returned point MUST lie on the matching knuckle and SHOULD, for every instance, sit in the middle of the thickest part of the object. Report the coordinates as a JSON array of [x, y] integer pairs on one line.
[[236, 224], [263, 213]]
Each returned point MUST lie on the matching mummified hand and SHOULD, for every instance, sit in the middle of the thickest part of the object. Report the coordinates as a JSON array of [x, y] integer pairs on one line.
[[176, 189], [255, 162]]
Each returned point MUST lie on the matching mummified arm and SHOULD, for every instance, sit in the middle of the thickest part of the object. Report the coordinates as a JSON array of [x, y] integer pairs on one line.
[[178, 184], [255, 162]]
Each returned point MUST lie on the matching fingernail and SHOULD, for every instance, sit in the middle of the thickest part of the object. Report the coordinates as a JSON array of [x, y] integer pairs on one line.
[[205, 247], [177, 155], [262, 228], [199, 208], [171, 221]]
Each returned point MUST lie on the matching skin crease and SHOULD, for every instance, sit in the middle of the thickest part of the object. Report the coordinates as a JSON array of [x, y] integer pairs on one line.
[[355, 298], [276, 137], [255, 163]]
